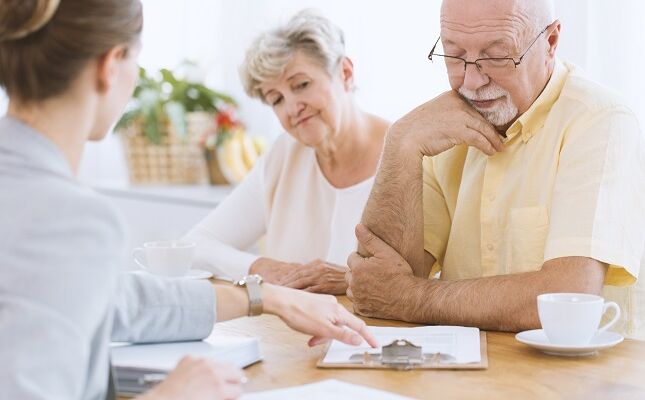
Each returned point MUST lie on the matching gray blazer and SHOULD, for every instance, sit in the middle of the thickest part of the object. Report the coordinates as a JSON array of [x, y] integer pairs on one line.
[[62, 298]]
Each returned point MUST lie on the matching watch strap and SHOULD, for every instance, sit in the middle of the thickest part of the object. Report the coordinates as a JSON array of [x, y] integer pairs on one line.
[[252, 284], [255, 297]]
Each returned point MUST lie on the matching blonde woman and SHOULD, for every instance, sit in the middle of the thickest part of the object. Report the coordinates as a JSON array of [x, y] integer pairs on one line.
[[69, 67], [306, 195]]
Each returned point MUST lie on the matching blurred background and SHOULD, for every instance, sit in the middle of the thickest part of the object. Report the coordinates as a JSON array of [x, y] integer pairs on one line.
[[388, 41]]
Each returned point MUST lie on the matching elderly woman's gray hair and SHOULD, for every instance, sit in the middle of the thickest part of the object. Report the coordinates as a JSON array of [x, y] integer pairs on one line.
[[269, 54]]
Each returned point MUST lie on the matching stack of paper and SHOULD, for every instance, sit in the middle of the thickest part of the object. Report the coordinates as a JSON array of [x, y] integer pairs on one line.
[[324, 390], [461, 343], [137, 367]]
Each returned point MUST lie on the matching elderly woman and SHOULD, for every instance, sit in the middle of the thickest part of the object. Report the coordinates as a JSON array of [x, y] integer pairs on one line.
[[307, 194]]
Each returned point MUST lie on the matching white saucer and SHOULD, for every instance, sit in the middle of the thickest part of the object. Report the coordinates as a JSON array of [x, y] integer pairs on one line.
[[191, 274], [197, 274], [537, 338]]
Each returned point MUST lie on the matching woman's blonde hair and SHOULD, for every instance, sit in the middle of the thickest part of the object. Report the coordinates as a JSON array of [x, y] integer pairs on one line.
[[269, 54]]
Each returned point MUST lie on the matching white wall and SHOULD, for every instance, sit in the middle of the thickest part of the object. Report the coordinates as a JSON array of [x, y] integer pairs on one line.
[[388, 41]]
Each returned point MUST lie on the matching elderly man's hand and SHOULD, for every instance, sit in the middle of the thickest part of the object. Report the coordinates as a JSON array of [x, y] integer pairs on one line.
[[376, 283], [317, 277], [444, 122]]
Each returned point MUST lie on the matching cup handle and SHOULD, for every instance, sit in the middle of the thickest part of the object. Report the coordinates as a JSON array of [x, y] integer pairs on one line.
[[606, 306], [135, 253]]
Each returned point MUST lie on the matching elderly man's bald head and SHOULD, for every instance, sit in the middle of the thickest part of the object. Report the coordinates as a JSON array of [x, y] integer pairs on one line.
[[530, 13]]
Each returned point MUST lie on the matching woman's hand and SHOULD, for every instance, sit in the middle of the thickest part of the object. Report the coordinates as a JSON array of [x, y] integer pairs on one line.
[[199, 378], [317, 315], [317, 277]]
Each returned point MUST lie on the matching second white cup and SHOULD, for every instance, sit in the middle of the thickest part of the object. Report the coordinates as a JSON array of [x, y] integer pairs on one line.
[[573, 318], [171, 258]]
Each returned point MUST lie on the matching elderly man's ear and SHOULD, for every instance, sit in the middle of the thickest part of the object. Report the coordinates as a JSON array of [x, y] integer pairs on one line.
[[553, 37], [347, 73]]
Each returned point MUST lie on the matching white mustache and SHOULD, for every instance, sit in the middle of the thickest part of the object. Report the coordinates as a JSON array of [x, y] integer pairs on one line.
[[489, 92]]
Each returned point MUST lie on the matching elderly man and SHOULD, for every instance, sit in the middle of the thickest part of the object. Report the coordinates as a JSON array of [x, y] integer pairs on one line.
[[526, 178]]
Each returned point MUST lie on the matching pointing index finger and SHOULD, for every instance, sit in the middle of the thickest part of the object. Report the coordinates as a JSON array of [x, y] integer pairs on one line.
[[359, 326]]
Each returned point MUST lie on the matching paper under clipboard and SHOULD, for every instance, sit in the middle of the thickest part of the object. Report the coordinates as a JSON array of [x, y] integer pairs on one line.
[[426, 347]]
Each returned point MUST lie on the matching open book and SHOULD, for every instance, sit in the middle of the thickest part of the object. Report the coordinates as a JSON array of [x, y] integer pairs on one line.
[[139, 366]]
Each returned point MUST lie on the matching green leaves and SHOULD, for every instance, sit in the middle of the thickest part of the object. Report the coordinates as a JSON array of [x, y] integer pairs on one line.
[[167, 98]]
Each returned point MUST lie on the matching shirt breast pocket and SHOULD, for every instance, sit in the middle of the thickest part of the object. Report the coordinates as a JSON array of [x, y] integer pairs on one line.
[[527, 231]]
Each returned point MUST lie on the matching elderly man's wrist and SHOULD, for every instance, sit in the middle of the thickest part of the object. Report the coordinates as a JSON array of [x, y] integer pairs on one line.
[[401, 143], [408, 286]]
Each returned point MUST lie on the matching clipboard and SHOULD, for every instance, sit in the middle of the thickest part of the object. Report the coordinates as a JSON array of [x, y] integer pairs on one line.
[[404, 355]]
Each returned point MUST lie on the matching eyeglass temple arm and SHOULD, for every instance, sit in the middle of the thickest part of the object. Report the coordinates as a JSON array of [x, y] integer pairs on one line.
[[433, 48], [531, 45]]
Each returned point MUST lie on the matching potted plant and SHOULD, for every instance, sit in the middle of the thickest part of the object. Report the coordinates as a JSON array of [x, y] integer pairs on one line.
[[163, 124]]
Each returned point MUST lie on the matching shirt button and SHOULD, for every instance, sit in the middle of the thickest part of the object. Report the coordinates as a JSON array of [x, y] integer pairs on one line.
[[490, 247], [491, 197]]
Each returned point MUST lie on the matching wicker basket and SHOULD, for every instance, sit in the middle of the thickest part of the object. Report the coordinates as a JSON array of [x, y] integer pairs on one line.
[[176, 160]]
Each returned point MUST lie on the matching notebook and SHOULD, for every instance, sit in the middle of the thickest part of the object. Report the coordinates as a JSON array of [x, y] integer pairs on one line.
[[137, 367]]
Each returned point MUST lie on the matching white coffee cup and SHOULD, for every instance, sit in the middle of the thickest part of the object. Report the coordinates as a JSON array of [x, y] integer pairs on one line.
[[573, 318], [167, 258]]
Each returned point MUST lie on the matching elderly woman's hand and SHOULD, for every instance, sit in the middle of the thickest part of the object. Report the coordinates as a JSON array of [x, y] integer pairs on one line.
[[273, 271], [317, 277]]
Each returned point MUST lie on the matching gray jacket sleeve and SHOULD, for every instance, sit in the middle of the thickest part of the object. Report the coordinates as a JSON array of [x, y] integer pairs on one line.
[[155, 309]]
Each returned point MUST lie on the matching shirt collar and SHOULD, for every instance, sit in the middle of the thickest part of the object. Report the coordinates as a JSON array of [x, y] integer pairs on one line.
[[533, 119], [30, 146]]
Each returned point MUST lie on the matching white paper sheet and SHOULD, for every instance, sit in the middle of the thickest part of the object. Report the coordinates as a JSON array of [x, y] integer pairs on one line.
[[325, 390], [460, 342]]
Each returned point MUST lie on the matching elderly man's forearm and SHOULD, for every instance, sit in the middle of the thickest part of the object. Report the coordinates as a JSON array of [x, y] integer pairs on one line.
[[394, 211], [502, 302], [470, 303]]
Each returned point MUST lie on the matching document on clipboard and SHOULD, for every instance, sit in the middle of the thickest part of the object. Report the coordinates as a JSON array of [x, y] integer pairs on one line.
[[425, 347]]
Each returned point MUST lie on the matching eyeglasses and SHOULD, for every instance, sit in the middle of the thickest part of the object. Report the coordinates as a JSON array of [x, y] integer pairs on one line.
[[484, 65]]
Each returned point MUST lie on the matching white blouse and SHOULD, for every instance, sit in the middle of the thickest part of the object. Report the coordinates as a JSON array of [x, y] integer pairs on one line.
[[286, 198]]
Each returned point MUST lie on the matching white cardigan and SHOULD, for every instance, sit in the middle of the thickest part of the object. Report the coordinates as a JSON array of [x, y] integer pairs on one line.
[[287, 199]]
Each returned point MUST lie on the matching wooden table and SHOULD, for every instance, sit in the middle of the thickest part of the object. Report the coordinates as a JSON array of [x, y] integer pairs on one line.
[[515, 371]]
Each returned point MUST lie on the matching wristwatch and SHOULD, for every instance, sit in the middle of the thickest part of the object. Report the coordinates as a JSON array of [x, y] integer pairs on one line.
[[252, 284]]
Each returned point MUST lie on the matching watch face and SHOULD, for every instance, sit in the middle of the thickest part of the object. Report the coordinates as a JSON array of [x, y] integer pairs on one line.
[[255, 278]]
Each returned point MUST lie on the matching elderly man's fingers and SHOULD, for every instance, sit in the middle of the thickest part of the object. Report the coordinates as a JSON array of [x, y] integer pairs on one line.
[[354, 260], [349, 293], [370, 241], [488, 131], [476, 139]]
